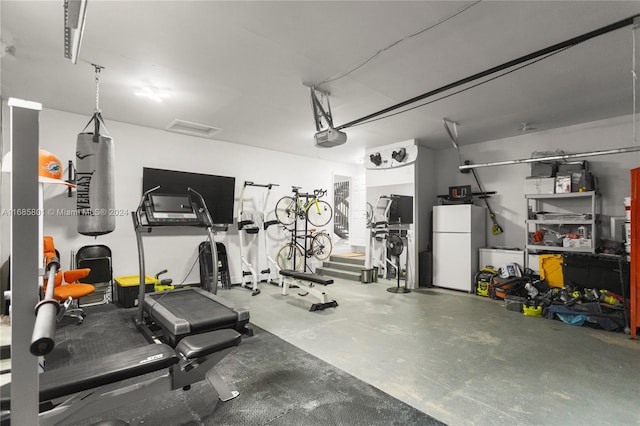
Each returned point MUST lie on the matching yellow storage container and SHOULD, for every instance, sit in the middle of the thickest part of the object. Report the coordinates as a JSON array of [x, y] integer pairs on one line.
[[127, 289], [532, 311], [551, 269]]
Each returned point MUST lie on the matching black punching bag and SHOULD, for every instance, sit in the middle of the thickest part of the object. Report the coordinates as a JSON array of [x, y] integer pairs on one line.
[[95, 181]]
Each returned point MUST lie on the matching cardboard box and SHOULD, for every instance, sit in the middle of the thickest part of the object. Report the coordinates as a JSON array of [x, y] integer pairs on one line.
[[572, 167], [577, 242], [544, 169], [563, 184], [533, 185]]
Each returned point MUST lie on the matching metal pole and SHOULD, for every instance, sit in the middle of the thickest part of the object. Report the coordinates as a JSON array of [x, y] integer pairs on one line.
[[25, 259], [579, 39], [44, 330], [142, 284], [552, 157]]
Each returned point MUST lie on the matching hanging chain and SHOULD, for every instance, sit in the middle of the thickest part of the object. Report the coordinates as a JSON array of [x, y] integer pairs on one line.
[[98, 70]]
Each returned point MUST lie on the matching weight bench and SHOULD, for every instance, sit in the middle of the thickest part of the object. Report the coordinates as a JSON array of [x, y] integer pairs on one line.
[[310, 281], [83, 390]]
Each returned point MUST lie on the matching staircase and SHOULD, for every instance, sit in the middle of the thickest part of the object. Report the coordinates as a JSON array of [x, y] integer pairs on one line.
[[347, 267], [341, 209]]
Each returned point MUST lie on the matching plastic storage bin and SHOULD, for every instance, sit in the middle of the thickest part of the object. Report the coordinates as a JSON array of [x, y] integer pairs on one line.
[[127, 289], [551, 269]]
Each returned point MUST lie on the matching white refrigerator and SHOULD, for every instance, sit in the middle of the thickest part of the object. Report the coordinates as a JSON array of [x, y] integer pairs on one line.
[[459, 231]]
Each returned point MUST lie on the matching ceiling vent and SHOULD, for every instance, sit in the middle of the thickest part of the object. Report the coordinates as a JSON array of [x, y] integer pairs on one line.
[[192, 129]]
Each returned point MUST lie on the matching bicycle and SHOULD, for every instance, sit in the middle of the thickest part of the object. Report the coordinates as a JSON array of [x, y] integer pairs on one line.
[[369, 215], [317, 212], [291, 254]]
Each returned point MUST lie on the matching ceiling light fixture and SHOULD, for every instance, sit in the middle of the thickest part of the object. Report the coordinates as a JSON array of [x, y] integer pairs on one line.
[[526, 127], [193, 129], [152, 93], [75, 12]]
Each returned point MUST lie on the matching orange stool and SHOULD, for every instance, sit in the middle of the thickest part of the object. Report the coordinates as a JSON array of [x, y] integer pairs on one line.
[[68, 294]]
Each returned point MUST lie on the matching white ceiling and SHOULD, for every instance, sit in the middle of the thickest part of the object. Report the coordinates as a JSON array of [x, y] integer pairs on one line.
[[242, 66]]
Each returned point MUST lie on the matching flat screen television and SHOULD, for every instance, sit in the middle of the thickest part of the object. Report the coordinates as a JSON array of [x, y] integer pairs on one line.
[[217, 191], [401, 209]]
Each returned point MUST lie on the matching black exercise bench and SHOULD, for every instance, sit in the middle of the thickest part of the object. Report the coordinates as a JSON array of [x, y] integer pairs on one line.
[[310, 281], [85, 389]]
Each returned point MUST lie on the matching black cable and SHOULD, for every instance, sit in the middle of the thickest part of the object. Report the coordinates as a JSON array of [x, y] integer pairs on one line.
[[200, 250], [193, 265], [542, 52], [465, 89]]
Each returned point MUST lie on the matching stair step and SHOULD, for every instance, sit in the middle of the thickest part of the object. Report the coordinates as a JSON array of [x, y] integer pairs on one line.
[[356, 260], [351, 267], [337, 273]]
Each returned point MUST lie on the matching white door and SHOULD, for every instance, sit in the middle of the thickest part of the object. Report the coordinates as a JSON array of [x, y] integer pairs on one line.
[[452, 261]]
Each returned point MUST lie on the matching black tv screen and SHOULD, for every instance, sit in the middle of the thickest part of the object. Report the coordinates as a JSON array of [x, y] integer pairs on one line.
[[401, 210], [217, 191]]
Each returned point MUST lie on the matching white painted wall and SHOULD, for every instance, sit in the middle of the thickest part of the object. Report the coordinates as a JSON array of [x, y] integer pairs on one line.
[[417, 180], [509, 205], [358, 219], [137, 147]]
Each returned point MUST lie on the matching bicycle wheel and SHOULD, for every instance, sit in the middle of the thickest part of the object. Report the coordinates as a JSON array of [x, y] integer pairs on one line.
[[369, 214], [286, 255], [321, 245], [320, 214], [286, 210]]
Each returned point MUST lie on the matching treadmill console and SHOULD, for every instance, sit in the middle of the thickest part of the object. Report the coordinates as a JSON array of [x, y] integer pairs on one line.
[[171, 209]]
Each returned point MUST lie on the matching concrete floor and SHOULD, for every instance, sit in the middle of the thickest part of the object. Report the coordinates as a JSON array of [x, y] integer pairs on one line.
[[460, 358]]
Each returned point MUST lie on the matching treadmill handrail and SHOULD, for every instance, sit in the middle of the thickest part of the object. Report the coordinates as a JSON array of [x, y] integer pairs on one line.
[[140, 228], [212, 241]]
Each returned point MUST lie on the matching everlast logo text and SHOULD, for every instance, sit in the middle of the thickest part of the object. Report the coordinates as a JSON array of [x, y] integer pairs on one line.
[[83, 183]]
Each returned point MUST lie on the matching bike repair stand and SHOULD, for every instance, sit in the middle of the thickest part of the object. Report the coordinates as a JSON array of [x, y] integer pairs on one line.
[[249, 221], [294, 234], [395, 246], [379, 234]]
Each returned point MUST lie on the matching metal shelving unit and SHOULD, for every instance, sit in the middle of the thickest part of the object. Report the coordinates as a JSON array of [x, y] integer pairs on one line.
[[563, 211]]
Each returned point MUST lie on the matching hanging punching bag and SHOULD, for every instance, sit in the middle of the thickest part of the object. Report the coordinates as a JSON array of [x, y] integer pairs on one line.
[[95, 181]]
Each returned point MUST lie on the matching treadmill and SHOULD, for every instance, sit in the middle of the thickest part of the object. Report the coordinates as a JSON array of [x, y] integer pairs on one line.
[[171, 315]]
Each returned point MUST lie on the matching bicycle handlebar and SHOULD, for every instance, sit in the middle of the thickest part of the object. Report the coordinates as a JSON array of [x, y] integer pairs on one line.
[[319, 192]]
